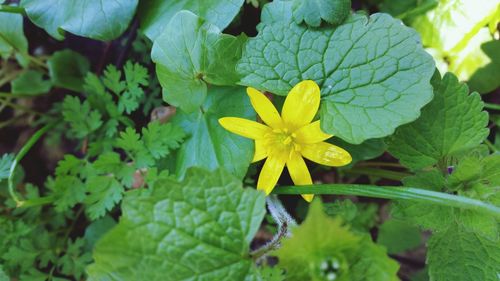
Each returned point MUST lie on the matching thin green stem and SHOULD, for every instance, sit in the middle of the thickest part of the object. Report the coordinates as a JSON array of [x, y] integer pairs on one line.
[[386, 174], [492, 106], [397, 193], [20, 107], [26, 147], [37, 62], [11, 120], [4, 105], [11, 76], [36, 201], [15, 95], [12, 9]]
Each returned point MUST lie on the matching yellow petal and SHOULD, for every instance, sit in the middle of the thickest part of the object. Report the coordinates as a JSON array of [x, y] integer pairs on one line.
[[260, 151], [270, 173], [299, 172], [326, 154], [311, 133], [265, 108], [243, 127], [301, 104]]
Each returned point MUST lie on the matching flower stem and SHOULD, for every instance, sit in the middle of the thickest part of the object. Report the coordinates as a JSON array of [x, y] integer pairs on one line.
[[26, 147], [284, 221], [397, 193]]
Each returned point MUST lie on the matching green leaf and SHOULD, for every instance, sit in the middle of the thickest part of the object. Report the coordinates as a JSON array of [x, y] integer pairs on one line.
[[5, 277], [160, 139], [104, 193], [136, 76], [449, 26], [67, 69], [31, 82], [189, 54], [361, 217], [484, 79], [67, 192], [110, 163], [129, 140], [112, 79], [209, 145], [69, 165], [272, 274], [75, 259], [398, 236], [407, 9], [12, 35], [156, 14], [477, 176], [460, 255], [313, 11], [373, 73], [276, 11], [156, 142], [96, 230], [101, 19], [452, 122], [321, 247], [441, 218], [198, 229], [68, 188], [425, 215], [81, 118]]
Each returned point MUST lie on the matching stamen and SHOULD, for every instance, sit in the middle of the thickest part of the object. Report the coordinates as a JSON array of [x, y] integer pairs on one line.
[[296, 147]]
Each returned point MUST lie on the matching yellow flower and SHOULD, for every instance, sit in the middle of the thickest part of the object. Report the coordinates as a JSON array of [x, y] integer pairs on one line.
[[289, 137]]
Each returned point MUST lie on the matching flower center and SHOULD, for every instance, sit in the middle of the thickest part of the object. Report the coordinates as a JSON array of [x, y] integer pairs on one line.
[[282, 140]]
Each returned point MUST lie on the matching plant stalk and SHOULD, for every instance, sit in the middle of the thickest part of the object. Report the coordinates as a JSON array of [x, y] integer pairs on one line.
[[396, 193], [12, 9], [492, 106], [26, 147]]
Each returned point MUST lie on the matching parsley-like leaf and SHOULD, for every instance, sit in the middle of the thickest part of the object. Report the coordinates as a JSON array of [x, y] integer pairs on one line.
[[75, 259], [81, 118], [104, 193]]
